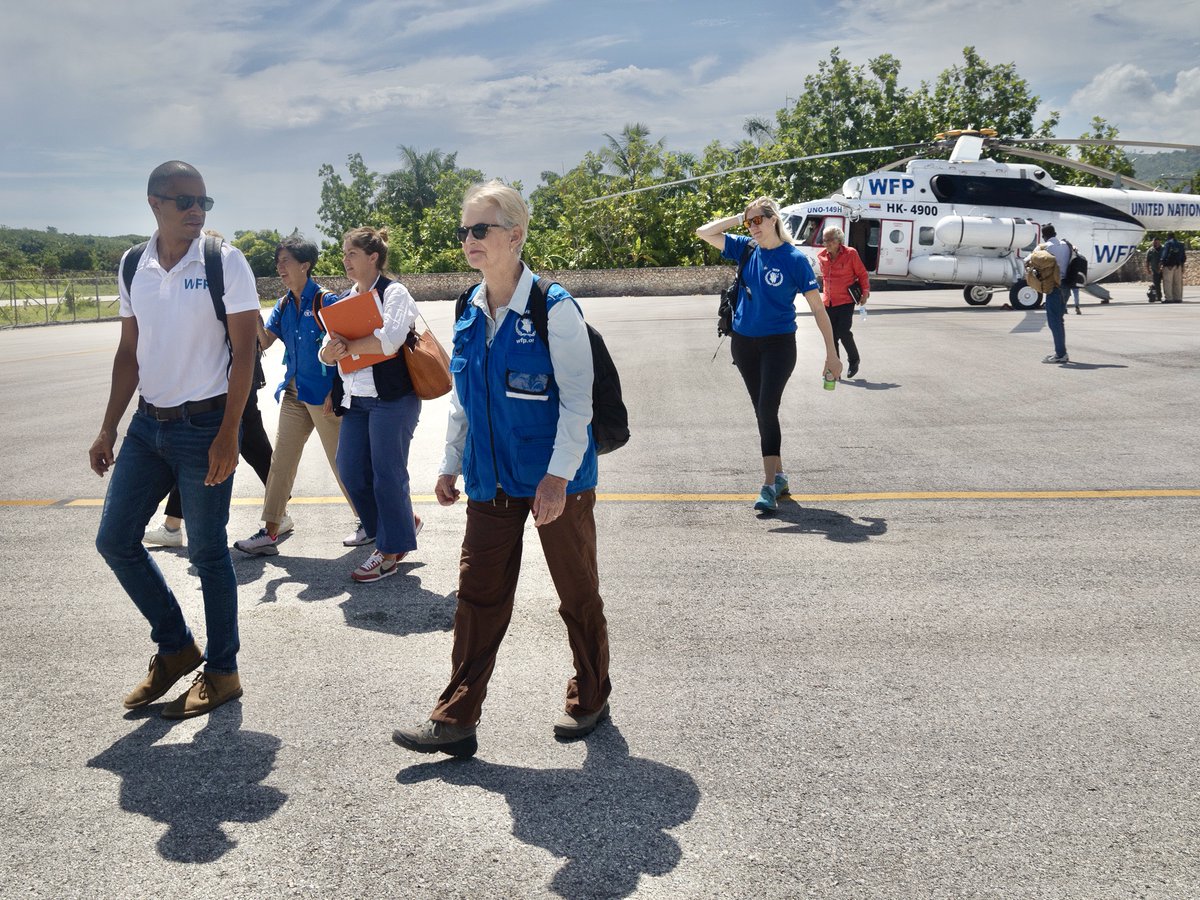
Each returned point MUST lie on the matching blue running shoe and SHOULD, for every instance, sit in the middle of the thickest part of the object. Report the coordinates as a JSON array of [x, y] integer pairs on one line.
[[766, 501], [781, 485]]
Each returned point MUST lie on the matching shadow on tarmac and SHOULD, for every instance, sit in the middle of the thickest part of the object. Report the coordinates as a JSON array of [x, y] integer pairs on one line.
[[863, 384], [835, 526], [398, 605], [608, 819], [195, 787]]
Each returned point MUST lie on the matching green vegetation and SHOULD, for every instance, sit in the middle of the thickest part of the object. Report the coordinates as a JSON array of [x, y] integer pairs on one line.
[[841, 106]]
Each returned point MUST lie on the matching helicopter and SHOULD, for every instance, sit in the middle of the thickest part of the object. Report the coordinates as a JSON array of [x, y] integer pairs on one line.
[[972, 221]]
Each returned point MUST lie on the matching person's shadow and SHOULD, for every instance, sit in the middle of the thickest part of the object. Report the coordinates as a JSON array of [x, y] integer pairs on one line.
[[397, 605], [193, 788], [864, 384], [608, 819], [834, 525]]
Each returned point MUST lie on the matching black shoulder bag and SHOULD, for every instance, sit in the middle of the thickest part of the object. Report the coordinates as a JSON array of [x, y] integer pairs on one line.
[[729, 296]]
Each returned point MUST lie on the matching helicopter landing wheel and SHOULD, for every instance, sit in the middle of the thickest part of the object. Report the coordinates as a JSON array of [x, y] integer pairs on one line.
[[1022, 296], [977, 294]]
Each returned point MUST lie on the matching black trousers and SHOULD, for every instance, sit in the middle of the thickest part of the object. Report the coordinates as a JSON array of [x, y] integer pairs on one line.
[[766, 364], [842, 318], [256, 450]]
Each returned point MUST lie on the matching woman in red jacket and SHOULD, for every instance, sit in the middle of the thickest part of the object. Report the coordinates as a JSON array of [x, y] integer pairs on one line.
[[840, 269]]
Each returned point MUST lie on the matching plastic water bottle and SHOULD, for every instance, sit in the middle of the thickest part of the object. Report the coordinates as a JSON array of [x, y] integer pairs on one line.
[[830, 381], [862, 313]]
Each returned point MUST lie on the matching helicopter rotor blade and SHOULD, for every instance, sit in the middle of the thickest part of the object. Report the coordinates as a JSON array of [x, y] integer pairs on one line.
[[778, 162], [1075, 164], [1103, 142]]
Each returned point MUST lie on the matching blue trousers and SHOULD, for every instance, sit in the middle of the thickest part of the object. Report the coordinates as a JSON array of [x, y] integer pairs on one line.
[[1056, 307], [153, 457], [372, 460]]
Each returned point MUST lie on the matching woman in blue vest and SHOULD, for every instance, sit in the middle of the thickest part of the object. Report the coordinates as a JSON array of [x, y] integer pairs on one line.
[[764, 327], [520, 436], [379, 410]]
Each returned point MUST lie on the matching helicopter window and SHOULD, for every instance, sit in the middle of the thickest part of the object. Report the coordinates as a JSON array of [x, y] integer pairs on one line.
[[811, 232], [896, 236], [925, 236]]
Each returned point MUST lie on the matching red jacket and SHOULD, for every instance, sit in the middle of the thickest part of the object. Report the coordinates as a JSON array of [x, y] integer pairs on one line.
[[839, 273]]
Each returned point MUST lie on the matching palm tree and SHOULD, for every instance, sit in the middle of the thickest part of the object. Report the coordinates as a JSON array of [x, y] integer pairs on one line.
[[632, 156]]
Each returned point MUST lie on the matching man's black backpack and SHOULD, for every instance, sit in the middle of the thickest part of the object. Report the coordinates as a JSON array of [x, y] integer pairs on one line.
[[1077, 269], [1172, 254], [729, 297], [610, 419], [214, 274]]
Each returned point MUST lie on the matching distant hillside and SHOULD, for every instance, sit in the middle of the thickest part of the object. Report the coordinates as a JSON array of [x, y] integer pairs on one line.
[[25, 252], [1178, 163]]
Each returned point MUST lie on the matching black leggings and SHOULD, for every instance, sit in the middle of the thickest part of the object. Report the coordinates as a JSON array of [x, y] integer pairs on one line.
[[766, 364], [841, 318], [256, 450]]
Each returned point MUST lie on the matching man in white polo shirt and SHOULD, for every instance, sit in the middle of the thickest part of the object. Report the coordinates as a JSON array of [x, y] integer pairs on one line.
[[193, 386]]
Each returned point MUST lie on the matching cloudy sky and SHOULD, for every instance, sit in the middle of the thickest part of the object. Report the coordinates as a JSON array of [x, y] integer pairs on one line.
[[258, 94]]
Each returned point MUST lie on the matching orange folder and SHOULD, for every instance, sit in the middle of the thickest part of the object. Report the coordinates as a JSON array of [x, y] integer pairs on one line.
[[354, 317]]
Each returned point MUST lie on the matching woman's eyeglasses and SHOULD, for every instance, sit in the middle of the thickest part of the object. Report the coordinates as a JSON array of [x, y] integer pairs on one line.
[[187, 201], [757, 220], [478, 231]]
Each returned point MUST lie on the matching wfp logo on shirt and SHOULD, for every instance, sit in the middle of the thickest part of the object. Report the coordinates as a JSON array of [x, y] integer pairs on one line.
[[195, 284], [773, 277], [525, 330]]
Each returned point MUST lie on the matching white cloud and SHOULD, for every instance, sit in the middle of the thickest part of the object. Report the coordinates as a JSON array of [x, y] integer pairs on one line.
[[1126, 93]]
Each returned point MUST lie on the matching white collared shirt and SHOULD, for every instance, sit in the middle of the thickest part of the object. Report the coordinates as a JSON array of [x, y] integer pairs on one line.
[[399, 312], [571, 358], [181, 350]]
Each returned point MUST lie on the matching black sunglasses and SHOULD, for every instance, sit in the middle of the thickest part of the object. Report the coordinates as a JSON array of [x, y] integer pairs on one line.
[[478, 231], [186, 201]]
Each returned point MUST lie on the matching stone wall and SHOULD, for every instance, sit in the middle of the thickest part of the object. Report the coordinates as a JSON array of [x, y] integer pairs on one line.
[[664, 282]]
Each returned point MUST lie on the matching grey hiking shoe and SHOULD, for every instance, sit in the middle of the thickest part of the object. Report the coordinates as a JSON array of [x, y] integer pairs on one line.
[[438, 737], [258, 544], [569, 726]]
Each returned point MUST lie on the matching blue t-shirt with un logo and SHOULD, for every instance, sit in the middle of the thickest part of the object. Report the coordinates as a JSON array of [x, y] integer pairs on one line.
[[770, 283]]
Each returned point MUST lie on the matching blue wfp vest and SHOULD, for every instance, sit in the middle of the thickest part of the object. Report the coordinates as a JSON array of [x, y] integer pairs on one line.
[[510, 398]]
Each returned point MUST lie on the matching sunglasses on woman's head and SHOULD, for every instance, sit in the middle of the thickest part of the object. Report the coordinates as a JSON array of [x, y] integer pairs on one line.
[[757, 220], [478, 231], [187, 201]]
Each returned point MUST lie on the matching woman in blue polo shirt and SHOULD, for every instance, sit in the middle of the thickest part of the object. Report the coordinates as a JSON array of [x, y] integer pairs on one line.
[[307, 382], [764, 327]]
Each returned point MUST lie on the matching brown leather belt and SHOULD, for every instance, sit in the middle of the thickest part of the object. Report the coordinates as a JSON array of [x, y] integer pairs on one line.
[[174, 413]]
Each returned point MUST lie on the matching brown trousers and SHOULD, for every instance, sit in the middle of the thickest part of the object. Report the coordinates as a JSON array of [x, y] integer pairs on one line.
[[487, 584]]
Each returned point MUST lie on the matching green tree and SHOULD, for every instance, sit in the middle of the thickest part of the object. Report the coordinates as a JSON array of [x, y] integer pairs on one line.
[[977, 94], [259, 250], [346, 205]]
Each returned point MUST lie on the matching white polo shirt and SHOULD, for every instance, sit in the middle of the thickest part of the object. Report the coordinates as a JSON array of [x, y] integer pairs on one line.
[[181, 349]]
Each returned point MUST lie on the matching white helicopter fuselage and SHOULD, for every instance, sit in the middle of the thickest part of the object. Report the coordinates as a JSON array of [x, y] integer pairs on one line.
[[973, 221]]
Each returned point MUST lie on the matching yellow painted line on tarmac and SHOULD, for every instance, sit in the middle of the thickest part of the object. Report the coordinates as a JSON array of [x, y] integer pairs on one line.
[[1113, 494]]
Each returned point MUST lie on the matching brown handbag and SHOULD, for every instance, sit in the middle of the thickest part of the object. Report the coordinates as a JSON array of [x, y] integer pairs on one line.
[[428, 364]]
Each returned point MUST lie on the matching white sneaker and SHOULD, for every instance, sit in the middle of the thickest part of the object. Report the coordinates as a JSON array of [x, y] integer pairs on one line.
[[286, 526], [260, 544], [358, 538], [162, 536]]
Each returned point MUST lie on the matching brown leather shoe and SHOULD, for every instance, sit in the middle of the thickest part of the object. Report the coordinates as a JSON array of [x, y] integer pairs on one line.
[[165, 670], [208, 691]]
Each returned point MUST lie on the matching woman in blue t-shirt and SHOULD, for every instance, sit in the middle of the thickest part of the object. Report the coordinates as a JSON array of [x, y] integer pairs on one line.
[[764, 325]]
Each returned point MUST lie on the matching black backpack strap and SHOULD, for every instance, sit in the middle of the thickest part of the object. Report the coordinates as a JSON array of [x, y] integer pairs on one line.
[[464, 298], [129, 266], [538, 310], [214, 274]]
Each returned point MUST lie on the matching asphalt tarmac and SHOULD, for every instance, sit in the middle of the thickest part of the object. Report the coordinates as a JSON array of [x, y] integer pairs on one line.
[[962, 661]]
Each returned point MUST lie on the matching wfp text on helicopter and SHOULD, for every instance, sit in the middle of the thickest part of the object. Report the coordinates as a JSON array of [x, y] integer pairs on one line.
[[972, 221]]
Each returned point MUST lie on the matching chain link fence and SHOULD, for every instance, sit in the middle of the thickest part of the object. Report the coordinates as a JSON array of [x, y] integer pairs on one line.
[[50, 301]]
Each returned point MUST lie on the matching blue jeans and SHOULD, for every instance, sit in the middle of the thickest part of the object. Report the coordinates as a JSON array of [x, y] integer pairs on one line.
[[372, 460], [153, 457], [1056, 306]]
